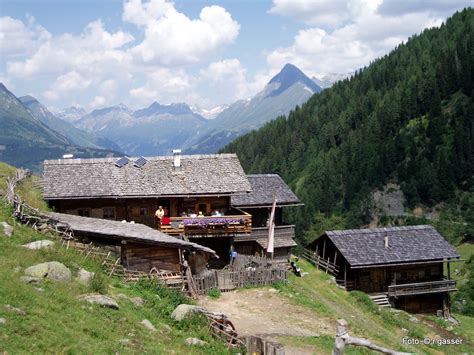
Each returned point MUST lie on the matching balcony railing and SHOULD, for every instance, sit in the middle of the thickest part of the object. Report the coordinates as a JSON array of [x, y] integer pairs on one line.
[[208, 226], [287, 230], [422, 288]]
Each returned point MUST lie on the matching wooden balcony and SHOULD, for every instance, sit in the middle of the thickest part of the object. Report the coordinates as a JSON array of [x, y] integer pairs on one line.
[[422, 288], [208, 226]]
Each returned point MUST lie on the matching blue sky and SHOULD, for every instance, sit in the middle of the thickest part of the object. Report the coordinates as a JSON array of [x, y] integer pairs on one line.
[[204, 53]]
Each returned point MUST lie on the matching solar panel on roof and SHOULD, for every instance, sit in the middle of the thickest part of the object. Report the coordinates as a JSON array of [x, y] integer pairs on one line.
[[122, 162], [140, 162]]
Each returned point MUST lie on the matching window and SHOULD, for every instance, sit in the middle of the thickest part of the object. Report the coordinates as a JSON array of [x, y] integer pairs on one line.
[[108, 213], [144, 211], [83, 212]]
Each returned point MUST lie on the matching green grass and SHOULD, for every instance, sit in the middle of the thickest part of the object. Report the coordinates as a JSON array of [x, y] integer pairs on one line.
[[30, 194], [56, 322], [317, 292]]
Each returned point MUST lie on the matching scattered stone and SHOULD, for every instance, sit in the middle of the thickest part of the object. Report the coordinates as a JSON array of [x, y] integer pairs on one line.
[[273, 290], [404, 330], [7, 229], [39, 244], [17, 269], [413, 319], [166, 328], [31, 279], [101, 300], [3, 321], [184, 310], [304, 274], [84, 276], [449, 328], [39, 289], [452, 320], [121, 296], [52, 270], [137, 301], [148, 325], [131, 334], [194, 342], [124, 341], [15, 310]]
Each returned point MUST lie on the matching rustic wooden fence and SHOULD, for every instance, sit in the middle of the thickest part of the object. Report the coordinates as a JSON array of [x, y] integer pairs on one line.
[[320, 262], [229, 280]]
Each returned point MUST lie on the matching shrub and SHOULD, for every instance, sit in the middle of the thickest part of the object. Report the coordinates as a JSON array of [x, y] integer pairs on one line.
[[214, 293], [98, 284]]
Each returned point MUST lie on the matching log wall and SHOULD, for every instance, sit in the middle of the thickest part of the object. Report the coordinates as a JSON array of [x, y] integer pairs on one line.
[[143, 257]]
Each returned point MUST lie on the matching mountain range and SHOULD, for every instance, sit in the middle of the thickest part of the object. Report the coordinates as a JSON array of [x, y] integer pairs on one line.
[[158, 129], [27, 137], [38, 133]]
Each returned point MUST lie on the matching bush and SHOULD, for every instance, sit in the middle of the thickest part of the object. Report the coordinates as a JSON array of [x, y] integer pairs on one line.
[[214, 293], [98, 284]]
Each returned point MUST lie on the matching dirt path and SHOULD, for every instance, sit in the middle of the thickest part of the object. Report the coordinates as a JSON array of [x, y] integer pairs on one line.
[[264, 312]]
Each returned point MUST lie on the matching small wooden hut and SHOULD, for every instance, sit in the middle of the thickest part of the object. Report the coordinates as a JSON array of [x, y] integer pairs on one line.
[[140, 247], [406, 267]]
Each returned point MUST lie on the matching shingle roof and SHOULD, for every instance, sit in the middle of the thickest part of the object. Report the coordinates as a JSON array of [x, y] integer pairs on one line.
[[281, 242], [263, 188], [198, 175], [406, 244], [125, 231]]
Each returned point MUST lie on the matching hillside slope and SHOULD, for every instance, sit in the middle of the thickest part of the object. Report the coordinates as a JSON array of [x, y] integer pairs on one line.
[[408, 119], [49, 318], [74, 135]]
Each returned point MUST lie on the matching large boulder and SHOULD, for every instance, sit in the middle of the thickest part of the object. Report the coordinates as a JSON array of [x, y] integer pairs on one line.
[[84, 276], [7, 229], [39, 244], [186, 310], [101, 300], [53, 270]]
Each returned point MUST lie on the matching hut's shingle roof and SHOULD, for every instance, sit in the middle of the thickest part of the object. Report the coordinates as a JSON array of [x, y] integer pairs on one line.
[[125, 231], [263, 188], [406, 244], [198, 175]]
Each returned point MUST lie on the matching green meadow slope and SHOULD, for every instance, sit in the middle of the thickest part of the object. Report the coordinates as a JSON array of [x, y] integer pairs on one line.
[[57, 322]]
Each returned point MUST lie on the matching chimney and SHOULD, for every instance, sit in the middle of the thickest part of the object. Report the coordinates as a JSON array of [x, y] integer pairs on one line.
[[386, 241], [177, 158]]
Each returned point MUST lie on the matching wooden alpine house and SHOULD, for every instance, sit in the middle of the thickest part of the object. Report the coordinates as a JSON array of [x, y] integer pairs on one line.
[[132, 189], [258, 203], [405, 267]]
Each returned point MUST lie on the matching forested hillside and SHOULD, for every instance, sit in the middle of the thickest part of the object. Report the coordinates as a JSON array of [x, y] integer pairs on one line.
[[408, 119]]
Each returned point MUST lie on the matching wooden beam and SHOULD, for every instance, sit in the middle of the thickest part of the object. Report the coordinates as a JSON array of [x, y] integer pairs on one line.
[[324, 248], [345, 275]]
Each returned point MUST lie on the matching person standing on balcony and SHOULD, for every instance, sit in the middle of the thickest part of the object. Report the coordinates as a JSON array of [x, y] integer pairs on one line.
[[160, 212]]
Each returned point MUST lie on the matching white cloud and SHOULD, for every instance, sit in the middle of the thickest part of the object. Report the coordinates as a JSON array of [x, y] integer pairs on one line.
[[95, 50], [99, 101], [172, 38], [322, 13], [65, 84], [226, 80], [163, 85], [350, 35], [19, 39]]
